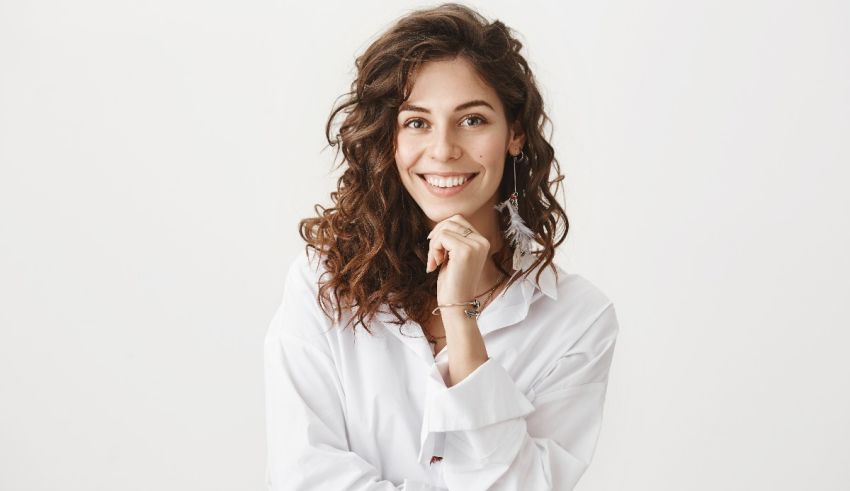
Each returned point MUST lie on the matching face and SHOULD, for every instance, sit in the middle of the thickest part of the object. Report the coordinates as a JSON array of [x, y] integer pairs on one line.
[[452, 140]]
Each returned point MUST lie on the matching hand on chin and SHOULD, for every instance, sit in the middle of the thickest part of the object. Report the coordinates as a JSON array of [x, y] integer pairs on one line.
[[459, 251]]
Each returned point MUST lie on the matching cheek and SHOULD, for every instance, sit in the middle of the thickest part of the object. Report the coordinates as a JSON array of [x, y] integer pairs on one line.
[[405, 154], [493, 164], [403, 163], [489, 152]]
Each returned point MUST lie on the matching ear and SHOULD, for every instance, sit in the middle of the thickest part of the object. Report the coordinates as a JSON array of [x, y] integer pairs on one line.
[[517, 138]]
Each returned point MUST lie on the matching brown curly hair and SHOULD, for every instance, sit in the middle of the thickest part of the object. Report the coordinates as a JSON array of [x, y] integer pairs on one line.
[[374, 238]]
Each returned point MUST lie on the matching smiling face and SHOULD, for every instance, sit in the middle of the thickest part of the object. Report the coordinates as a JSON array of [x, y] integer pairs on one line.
[[452, 140]]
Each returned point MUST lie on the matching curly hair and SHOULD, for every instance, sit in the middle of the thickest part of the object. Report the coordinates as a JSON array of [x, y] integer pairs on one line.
[[374, 237]]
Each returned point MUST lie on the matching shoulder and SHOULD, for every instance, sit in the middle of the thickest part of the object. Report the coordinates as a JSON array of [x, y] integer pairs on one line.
[[299, 312], [305, 271], [585, 306], [576, 288]]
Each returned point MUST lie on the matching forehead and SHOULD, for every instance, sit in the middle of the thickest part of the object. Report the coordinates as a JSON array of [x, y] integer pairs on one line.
[[441, 85]]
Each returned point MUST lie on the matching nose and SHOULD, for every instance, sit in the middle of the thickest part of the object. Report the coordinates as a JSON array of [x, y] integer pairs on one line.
[[443, 145]]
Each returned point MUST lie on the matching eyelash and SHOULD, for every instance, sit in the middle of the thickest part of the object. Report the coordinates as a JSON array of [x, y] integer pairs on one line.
[[471, 116]]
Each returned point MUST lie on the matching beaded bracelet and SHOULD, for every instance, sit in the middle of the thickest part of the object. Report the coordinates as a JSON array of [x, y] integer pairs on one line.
[[471, 313]]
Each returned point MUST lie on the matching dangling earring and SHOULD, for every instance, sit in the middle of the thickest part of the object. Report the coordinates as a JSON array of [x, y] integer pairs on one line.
[[518, 232]]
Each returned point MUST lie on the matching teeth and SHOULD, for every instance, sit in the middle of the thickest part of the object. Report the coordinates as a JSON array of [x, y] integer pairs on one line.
[[443, 182]]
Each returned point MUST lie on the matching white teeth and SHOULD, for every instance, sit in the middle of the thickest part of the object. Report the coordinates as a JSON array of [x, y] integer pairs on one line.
[[446, 182]]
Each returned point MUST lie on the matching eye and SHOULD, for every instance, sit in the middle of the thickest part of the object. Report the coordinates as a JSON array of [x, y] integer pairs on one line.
[[474, 118], [415, 120]]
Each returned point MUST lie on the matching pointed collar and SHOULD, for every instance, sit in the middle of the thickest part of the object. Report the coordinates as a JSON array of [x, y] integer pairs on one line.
[[548, 282], [509, 310]]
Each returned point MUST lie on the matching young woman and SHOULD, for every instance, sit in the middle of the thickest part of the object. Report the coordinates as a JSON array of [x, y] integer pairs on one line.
[[425, 339]]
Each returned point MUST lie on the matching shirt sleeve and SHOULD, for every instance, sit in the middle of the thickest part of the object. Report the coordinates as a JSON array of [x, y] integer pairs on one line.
[[495, 438], [307, 446]]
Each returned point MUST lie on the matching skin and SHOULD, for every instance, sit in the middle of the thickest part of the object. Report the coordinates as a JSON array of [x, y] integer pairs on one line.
[[474, 139]]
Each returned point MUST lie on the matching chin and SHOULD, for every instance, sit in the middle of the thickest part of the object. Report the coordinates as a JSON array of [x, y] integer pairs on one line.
[[438, 214]]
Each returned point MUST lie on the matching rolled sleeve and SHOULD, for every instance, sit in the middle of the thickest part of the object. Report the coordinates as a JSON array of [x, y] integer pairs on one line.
[[486, 396], [496, 438]]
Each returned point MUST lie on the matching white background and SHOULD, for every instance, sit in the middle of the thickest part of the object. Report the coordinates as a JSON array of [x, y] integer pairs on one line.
[[157, 157]]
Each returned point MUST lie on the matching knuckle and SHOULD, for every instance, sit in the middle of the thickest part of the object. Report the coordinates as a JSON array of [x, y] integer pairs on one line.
[[464, 251]]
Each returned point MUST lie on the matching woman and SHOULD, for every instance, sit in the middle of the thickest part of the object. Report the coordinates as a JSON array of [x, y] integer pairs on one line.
[[425, 339]]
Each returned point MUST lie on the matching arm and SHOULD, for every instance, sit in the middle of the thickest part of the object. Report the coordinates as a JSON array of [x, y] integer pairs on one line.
[[497, 439], [305, 414]]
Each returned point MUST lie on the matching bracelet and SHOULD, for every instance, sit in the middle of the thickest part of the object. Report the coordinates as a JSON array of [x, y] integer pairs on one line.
[[471, 313]]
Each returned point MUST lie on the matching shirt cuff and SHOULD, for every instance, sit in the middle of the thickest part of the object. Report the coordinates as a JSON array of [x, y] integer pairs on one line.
[[481, 419], [486, 396]]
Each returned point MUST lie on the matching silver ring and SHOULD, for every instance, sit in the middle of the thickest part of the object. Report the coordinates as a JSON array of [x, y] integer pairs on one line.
[[467, 232]]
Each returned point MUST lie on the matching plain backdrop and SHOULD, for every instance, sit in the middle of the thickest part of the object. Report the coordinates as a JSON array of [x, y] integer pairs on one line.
[[157, 157]]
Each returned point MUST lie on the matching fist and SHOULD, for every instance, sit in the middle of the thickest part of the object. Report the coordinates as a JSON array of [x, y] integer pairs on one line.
[[460, 251]]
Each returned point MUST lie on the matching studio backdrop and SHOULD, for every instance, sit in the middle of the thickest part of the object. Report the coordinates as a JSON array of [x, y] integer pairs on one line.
[[156, 158]]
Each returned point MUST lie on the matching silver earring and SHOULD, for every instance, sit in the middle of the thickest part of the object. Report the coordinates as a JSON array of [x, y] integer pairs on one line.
[[518, 233]]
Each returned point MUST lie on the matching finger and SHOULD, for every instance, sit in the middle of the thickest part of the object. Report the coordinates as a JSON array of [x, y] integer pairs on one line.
[[453, 245], [453, 221], [447, 242], [467, 233], [460, 224], [435, 229], [435, 254], [461, 220]]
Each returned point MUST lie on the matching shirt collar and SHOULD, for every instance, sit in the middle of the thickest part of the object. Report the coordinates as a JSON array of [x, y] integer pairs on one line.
[[548, 282], [510, 310]]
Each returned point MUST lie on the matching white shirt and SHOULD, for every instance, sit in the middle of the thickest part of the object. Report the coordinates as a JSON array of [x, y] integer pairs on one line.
[[368, 412]]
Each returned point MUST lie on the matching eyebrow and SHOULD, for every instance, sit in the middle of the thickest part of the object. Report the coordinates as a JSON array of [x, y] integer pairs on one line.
[[465, 105]]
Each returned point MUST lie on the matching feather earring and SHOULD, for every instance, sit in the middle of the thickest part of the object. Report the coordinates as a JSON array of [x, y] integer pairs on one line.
[[518, 233]]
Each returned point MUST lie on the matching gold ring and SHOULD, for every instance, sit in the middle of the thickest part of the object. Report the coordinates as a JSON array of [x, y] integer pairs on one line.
[[467, 232]]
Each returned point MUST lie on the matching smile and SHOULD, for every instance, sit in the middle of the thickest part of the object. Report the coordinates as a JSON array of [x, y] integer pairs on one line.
[[446, 185]]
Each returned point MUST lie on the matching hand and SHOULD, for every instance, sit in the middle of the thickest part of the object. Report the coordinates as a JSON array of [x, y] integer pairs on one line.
[[461, 259]]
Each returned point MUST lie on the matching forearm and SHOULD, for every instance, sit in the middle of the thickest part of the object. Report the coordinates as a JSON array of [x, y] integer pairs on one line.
[[466, 346]]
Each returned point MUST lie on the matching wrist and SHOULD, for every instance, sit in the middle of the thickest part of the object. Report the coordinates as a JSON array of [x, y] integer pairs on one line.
[[452, 314], [470, 309], [457, 296]]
